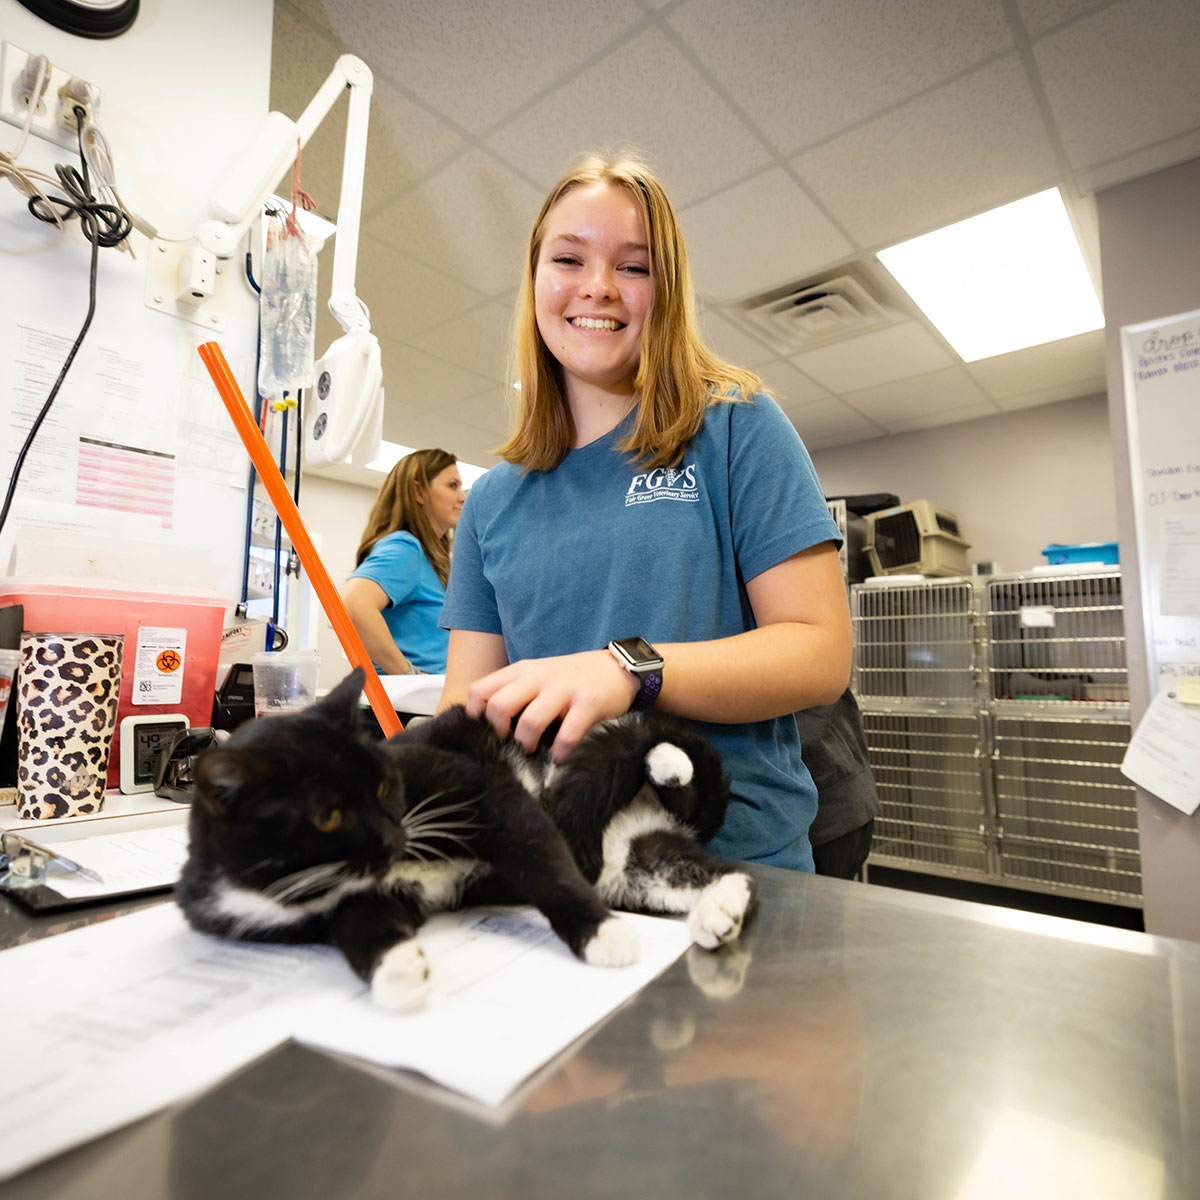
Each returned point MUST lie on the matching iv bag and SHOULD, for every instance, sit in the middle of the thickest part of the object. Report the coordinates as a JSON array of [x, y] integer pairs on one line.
[[287, 309]]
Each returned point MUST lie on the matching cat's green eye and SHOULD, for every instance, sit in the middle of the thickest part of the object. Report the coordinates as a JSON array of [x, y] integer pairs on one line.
[[329, 822], [381, 790]]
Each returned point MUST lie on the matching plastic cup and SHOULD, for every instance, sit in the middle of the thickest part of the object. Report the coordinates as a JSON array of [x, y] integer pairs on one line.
[[285, 681], [8, 668], [68, 685]]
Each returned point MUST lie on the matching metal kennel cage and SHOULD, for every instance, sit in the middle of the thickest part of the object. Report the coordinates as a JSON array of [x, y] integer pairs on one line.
[[1066, 816], [996, 716], [1057, 639], [916, 641], [933, 810]]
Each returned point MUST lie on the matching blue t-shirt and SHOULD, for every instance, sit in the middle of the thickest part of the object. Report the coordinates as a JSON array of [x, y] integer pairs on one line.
[[565, 560], [415, 594]]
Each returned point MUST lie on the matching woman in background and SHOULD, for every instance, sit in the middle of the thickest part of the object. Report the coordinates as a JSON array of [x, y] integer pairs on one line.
[[394, 595], [651, 493]]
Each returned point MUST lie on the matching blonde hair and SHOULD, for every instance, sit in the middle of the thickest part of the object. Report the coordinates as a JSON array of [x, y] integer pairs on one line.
[[396, 508], [677, 376]]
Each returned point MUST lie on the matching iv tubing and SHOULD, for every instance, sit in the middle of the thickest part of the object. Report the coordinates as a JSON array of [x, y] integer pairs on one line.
[[289, 514]]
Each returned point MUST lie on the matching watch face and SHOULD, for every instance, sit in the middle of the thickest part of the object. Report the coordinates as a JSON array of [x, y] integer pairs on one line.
[[639, 652]]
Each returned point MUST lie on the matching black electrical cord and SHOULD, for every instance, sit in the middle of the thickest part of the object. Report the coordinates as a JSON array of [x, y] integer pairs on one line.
[[102, 225]]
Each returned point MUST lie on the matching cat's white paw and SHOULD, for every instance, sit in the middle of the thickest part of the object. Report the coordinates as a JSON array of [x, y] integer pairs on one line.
[[718, 915], [401, 980], [668, 766], [614, 944], [672, 1033], [718, 973]]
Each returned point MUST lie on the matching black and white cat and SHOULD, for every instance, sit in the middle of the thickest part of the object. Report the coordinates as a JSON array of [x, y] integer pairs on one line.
[[303, 830]]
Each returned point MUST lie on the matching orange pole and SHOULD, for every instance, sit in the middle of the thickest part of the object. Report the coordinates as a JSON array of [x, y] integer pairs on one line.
[[289, 514]]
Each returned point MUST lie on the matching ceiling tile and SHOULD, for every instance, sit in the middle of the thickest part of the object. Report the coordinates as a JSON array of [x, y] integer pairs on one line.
[[491, 410], [893, 353], [957, 150], [422, 430], [730, 342], [792, 388], [419, 382], [951, 416], [664, 110], [477, 341], [1095, 386], [1143, 161], [406, 298], [313, 9], [802, 72], [1070, 361], [830, 423], [475, 62], [403, 141], [1040, 15], [936, 393], [761, 234], [471, 219], [1148, 49]]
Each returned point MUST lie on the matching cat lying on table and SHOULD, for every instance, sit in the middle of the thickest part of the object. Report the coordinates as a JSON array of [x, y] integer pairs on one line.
[[304, 830]]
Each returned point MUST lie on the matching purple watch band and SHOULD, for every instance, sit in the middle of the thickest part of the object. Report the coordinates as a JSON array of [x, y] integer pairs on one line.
[[648, 692]]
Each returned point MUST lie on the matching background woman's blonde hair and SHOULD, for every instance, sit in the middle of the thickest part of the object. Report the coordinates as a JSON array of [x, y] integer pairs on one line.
[[678, 376], [396, 508]]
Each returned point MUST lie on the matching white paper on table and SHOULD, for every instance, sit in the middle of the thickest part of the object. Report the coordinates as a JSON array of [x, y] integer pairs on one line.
[[506, 996], [127, 862], [1164, 751], [107, 1024], [413, 693]]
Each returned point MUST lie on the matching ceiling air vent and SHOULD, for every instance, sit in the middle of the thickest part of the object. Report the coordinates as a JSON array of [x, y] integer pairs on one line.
[[813, 314]]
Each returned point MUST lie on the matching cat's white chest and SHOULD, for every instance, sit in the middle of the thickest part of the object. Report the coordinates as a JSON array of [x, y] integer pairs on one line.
[[436, 886]]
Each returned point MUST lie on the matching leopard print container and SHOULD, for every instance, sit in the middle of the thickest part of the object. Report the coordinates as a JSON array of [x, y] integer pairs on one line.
[[66, 691]]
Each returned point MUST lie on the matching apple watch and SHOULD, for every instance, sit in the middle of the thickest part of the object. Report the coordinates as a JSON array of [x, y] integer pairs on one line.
[[640, 659]]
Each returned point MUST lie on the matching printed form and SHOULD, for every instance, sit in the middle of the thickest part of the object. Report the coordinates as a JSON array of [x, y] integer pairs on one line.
[[506, 996], [120, 1019]]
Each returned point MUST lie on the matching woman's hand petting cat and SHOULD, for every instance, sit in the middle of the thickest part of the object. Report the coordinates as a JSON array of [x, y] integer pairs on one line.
[[523, 698]]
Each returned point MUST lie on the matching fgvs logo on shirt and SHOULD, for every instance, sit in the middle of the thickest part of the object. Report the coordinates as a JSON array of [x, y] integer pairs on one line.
[[664, 483]]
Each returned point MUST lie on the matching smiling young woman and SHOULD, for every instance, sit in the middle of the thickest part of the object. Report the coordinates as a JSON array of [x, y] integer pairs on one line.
[[656, 533]]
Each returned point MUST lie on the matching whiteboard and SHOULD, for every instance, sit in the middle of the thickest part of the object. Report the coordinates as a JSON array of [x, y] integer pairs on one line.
[[1161, 363]]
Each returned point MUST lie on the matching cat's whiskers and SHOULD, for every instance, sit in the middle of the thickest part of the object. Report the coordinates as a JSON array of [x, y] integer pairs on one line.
[[416, 808], [423, 851], [434, 823], [304, 882], [443, 832]]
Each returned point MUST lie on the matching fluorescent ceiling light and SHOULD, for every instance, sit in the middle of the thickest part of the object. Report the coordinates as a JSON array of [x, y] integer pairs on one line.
[[390, 453], [1001, 281]]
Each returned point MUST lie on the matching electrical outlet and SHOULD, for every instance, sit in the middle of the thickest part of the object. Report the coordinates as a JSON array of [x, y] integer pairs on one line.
[[48, 121]]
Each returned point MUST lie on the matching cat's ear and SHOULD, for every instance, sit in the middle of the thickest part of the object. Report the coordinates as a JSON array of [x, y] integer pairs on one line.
[[342, 703], [222, 774]]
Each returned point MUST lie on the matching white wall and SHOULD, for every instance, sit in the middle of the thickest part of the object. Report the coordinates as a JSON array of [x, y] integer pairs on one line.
[[335, 515], [1151, 261], [1017, 481], [179, 97]]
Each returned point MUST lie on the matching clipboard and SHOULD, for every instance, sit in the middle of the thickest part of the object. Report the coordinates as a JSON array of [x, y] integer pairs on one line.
[[134, 856], [38, 899]]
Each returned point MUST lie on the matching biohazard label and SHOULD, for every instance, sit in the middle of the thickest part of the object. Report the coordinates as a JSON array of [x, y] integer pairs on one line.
[[158, 667]]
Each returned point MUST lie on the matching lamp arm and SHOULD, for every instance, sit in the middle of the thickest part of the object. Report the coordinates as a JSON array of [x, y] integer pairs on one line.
[[349, 312], [238, 201]]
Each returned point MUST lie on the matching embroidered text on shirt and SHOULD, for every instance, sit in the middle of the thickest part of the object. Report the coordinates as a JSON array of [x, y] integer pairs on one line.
[[664, 483]]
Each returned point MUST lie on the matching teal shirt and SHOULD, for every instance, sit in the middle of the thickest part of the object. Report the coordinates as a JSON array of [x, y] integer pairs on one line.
[[565, 560], [415, 594]]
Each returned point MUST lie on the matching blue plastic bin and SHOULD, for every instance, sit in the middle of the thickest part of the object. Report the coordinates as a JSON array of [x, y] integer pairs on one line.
[[1090, 552]]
